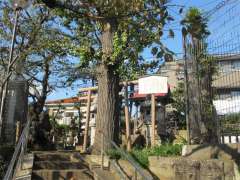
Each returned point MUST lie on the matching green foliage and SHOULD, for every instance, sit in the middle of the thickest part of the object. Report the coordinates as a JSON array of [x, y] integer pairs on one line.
[[178, 103], [195, 23], [166, 150], [114, 154], [232, 118], [134, 25], [230, 123]]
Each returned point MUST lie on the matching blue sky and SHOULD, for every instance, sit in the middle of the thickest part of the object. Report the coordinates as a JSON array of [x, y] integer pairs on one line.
[[174, 45]]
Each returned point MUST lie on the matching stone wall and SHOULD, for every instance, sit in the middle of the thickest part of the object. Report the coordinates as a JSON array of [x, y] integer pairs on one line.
[[206, 151], [180, 168]]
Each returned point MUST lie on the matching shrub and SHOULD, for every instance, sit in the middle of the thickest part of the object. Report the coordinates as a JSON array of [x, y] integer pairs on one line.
[[114, 154], [166, 150]]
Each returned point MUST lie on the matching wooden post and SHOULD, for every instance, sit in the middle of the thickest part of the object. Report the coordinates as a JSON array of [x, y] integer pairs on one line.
[[126, 110], [153, 117], [17, 131], [87, 120]]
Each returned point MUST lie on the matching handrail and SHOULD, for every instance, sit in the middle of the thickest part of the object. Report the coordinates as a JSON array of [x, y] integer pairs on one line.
[[18, 153], [137, 167]]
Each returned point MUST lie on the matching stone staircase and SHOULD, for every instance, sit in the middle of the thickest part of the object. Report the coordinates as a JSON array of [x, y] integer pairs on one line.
[[60, 166], [70, 165]]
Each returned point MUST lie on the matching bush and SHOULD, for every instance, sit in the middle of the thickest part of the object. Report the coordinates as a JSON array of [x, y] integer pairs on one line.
[[114, 154], [166, 150]]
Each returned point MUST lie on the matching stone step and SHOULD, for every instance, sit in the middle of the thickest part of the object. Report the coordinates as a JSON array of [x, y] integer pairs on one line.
[[68, 174], [24, 172], [58, 165], [53, 157], [104, 174], [71, 156]]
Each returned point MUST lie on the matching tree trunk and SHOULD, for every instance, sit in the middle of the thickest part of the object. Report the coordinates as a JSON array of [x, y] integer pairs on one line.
[[208, 110], [201, 113], [194, 100], [107, 120]]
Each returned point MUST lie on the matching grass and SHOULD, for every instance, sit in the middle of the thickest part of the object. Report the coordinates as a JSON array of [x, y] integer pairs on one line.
[[141, 155], [166, 150]]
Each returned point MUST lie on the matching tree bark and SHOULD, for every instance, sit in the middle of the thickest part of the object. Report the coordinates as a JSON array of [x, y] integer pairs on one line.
[[107, 120], [203, 127]]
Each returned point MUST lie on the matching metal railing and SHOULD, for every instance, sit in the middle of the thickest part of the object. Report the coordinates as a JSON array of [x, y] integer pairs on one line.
[[125, 155], [18, 154]]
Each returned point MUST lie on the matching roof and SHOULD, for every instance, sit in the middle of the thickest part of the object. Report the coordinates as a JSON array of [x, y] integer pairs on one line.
[[64, 101], [228, 57], [230, 80], [137, 96]]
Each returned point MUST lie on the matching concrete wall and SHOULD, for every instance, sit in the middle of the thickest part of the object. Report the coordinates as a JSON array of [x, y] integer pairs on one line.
[[179, 168]]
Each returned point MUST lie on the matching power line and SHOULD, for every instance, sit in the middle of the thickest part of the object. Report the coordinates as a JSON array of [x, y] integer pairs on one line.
[[217, 8], [207, 4]]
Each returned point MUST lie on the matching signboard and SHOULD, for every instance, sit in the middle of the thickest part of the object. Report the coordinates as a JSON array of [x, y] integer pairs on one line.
[[152, 85]]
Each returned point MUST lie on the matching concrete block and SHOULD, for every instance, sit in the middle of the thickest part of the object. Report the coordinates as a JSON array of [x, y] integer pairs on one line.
[[97, 159], [186, 169], [207, 151], [27, 162], [180, 168], [211, 170], [162, 167]]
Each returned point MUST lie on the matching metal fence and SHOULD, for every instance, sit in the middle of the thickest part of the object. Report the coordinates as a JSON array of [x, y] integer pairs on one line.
[[214, 83], [18, 154]]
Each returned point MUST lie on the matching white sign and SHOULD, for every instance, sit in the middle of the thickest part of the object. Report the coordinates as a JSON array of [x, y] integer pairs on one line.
[[152, 85]]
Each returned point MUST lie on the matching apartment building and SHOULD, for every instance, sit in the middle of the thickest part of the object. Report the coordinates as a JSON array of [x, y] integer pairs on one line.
[[174, 71]]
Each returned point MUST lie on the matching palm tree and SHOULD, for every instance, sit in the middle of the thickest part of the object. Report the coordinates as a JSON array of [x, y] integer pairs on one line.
[[195, 30]]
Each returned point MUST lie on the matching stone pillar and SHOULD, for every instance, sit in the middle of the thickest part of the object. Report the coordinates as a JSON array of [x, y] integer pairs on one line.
[[15, 108]]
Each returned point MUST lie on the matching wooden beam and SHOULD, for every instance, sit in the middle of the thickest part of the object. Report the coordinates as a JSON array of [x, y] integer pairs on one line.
[[87, 121], [96, 87], [126, 110], [153, 118], [82, 98]]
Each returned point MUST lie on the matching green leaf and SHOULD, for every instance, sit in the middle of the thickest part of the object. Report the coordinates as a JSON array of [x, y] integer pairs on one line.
[[160, 54], [171, 33], [180, 10], [154, 51], [170, 18]]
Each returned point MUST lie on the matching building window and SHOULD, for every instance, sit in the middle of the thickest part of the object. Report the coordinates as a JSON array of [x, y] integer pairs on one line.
[[225, 66], [236, 65], [235, 94]]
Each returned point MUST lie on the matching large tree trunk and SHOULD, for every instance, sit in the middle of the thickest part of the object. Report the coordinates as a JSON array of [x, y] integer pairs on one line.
[[107, 120], [201, 113], [194, 98], [208, 110]]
